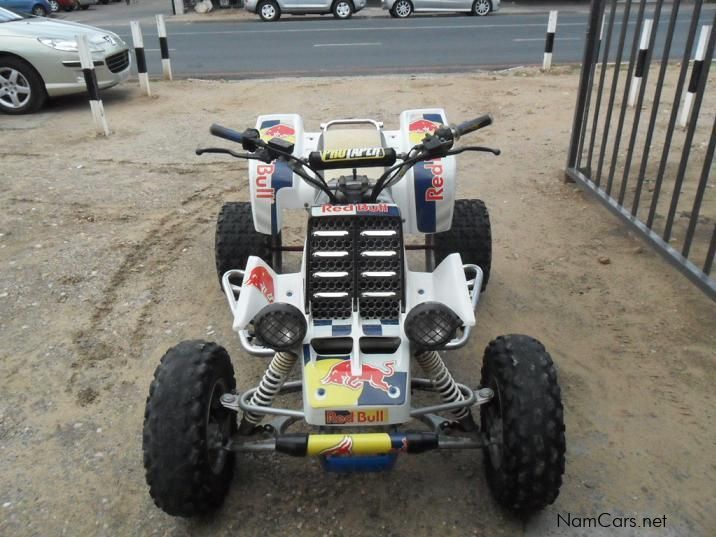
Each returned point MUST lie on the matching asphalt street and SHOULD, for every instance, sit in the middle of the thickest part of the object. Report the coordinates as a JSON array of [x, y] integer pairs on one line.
[[319, 46]]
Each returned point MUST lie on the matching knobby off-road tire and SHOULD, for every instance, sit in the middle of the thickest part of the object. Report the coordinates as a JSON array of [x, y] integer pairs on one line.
[[183, 419], [470, 236], [524, 423], [237, 239]]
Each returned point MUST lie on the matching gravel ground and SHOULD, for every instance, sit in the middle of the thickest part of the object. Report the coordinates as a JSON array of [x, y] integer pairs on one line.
[[106, 248]]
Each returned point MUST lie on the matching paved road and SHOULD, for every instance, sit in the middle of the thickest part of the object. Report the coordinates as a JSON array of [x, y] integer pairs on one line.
[[324, 46]]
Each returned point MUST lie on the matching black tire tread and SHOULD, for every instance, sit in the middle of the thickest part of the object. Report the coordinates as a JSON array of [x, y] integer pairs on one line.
[[237, 239], [470, 235], [533, 458], [180, 479]]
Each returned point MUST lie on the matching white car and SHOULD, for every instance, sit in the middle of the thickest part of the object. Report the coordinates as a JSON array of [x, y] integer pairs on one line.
[[404, 8], [39, 59], [271, 10]]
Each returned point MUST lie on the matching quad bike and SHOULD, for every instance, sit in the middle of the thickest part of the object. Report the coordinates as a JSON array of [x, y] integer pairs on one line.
[[354, 318]]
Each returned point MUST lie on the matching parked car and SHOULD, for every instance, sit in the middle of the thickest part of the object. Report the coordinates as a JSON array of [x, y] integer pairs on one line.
[[41, 8], [65, 5], [85, 4], [271, 10], [404, 8], [39, 59]]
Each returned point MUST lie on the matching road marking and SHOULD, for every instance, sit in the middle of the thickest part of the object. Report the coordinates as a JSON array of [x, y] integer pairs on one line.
[[542, 39], [376, 28], [347, 44]]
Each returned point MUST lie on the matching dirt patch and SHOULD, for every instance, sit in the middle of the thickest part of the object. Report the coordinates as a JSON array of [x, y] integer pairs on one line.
[[107, 254]]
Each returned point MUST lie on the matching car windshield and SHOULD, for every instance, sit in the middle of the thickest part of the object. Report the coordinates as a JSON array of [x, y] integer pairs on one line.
[[6, 15]]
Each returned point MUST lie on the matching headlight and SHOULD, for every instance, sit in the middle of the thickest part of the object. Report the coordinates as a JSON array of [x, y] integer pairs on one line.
[[280, 326], [431, 325], [67, 45]]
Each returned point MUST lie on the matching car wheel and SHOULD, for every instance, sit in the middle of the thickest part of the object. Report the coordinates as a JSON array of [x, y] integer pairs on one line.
[[342, 9], [269, 11], [481, 8], [54, 5], [21, 89], [72, 7], [104, 2], [39, 11], [402, 9], [84, 7]]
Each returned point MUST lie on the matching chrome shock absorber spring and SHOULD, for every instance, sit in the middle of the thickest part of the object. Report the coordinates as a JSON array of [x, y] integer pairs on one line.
[[437, 371], [271, 383]]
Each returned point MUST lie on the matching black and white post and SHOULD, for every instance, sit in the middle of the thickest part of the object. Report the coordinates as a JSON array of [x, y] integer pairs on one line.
[[164, 48], [549, 43], [695, 75], [138, 42], [87, 65], [640, 61]]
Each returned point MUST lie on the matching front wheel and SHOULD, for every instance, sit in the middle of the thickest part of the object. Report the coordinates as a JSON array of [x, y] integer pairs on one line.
[[342, 9], [481, 8], [269, 11], [402, 9], [21, 89], [523, 424], [39, 11], [187, 430], [54, 6]]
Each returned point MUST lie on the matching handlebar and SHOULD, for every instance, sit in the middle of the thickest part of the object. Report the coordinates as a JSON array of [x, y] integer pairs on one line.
[[472, 125], [226, 133]]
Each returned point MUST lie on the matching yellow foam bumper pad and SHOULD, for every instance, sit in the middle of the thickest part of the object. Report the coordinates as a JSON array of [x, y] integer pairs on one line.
[[349, 444]]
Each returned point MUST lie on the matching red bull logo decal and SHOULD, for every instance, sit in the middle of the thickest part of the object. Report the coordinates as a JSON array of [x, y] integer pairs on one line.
[[344, 447], [353, 208], [348, 417], [340, 374], [282, 130], [263, 182], [435, 191], [419, 128], [262, 280]]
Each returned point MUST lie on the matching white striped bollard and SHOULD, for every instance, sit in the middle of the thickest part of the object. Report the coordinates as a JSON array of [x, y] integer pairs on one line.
[[640, 61], [549, 43], [138, 43], [695, 75], [87, 64], [164, 48]]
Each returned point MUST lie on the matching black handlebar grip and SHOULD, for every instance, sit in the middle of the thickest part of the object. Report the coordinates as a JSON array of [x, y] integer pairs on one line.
[[226, 134], [474, 124]]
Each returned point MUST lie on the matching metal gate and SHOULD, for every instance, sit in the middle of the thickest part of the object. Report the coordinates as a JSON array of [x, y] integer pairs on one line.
[[645, 125]]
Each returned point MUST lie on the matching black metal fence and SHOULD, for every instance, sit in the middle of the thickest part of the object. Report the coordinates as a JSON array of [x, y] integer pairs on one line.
[[645, 125]]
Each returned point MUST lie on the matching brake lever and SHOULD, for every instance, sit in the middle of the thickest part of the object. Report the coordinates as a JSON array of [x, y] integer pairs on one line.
[[476, 148], [263, 156]]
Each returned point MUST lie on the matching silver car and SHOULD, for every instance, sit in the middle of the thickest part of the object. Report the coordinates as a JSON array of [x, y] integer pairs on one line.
[[39, 59], [271, 10], [404, 8]]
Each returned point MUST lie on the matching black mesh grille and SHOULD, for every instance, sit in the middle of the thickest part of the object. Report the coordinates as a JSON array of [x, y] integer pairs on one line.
[[373, 263], [118, 62]]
